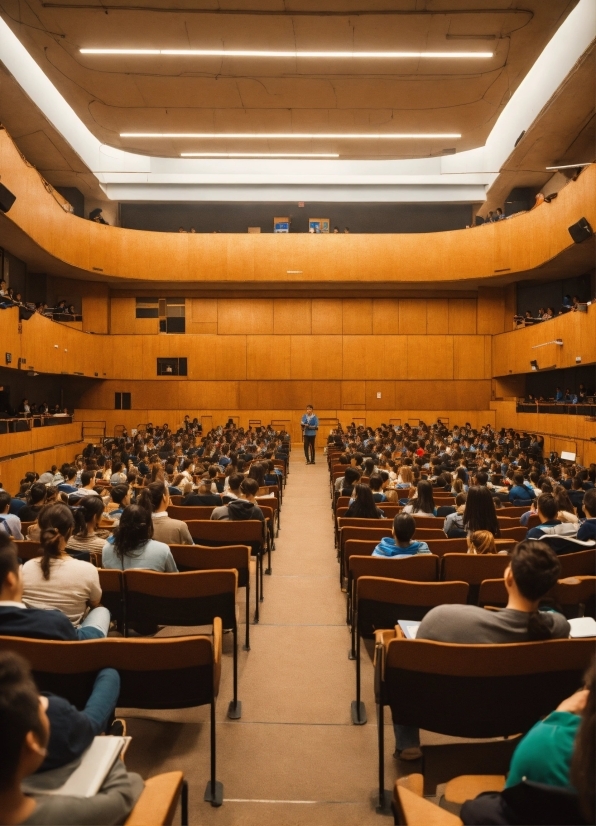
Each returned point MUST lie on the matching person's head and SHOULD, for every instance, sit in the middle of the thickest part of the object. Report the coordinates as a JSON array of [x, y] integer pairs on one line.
[[249, 489], [5, 500], [88, 514], [351, 476], [87, 478], [24, 725], [234, 482], [56, 524], [584, 751], [533, 570], [154, 497], [37, 494], [460, 500], [257, 472], [562, 500], [133, 532], [481, 542], [547, 507], [479, 514], [518, 478], [121, 495], [589, 503], [376, 482], [481, 478], [309, 409], [364, 506], [404, 527], [406, 474], [11, 587], [424, 500]]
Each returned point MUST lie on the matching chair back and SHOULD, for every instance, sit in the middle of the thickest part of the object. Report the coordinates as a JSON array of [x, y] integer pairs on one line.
[[27, 549], [513, 511], [205, 558], [429, 533], [25, 527], [446, 546], [381, 602], [513, 533], [189, 512], [421, 568], [217, 533], [478, 690], [112, 593], [580, 563], [158, 673], [192, 598], [176, 499]]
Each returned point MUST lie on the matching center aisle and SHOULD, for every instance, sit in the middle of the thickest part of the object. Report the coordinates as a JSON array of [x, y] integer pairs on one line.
[[294, 757]]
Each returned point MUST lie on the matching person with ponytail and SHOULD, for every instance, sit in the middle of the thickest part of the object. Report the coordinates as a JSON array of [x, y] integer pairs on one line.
[[532, 571], [482, 542], [132, 544], [156, 498], [86, 536], [57, 580], [36, 497]]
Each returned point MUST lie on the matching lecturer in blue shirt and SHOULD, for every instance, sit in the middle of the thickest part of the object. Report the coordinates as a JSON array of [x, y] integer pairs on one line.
[[310, 425]]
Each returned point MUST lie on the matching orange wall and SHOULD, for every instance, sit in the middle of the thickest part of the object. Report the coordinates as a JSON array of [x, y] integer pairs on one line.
[[516, 245]]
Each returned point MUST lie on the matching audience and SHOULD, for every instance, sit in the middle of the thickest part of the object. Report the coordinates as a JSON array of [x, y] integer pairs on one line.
[[132, 544], [401, 543], [155, 498]]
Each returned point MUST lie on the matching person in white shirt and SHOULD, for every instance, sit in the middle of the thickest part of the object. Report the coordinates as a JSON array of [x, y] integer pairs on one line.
[[87, 484]]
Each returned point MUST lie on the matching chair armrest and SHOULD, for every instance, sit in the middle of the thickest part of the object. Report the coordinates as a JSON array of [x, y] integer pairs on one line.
[[417, 811], [158, 801], [468, 786], [217, 644], [412, 782]]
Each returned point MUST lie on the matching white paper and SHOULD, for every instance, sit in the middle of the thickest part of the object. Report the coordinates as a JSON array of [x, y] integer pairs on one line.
[[582, 627]]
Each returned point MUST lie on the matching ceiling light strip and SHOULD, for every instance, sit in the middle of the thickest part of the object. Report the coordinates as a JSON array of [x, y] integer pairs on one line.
[[286, 54], [293, 136], [259, 155]]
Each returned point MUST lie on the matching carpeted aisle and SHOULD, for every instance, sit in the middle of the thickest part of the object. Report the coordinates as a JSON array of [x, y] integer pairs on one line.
[[294, 757]]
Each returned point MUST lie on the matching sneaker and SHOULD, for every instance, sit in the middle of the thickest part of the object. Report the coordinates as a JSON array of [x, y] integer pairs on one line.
[[413, 753], [118, 728]]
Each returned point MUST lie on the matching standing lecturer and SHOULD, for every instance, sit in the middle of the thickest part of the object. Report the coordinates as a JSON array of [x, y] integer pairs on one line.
[[310, 425]]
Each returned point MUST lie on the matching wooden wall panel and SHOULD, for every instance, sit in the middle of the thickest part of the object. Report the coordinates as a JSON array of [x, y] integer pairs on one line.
[[201, 315], [317, 357], [490, 318], [357, 316], [292, 316], [327, 316], [430, 357], [388, 395], [462, 315], [412, 316], [326, 394], [372, 357], [437, 317], [95, 308], [268, 357], [469, 357], [353, 393], [385, 320], [240, 315]]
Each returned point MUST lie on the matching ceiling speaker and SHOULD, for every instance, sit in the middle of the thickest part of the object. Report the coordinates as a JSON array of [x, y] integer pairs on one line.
[[580, 231], [7, 199]]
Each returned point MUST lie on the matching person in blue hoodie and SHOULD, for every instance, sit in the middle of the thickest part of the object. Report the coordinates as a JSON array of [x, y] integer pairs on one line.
[[401, 544], [519, 493]]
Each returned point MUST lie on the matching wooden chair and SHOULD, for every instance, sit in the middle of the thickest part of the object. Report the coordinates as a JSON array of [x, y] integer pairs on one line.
[[571, 594], [356, 522], [443, 546], [190, 512], [27, 549], [157, 804], [380, 603], [355, 532], [513, 510], [420, 568], [176, 672], [25, 527], [200, 558], [513, 533], [473, 569], [272, 502], [581, 563], [519, 683], [176, 499], [215, 533], [112, 595], [187, 599]]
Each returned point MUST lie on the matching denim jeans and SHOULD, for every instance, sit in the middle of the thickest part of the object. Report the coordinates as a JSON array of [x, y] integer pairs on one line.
[[406, 737], [95, 625], [103, 700]]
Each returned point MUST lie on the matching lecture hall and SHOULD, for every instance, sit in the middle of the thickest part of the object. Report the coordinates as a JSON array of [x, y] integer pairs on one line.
[[297, 531]]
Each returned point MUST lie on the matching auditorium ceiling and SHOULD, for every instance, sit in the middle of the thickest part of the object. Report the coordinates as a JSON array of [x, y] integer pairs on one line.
[[113, 94]]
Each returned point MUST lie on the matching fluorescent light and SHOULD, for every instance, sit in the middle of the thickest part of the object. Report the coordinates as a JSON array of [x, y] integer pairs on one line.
[[570, 165], [292, 135], [294, 54], [259, 155]]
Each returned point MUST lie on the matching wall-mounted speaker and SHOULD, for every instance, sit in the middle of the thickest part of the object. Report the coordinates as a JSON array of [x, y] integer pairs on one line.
[[7, 199], [580, 231]]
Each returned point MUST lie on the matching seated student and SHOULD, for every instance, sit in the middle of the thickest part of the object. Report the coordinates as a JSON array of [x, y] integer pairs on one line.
[[547, 513], [401, 544], [10, 524], [376, 485], [233, 489], [118, 476], [479, 513], [26, 736], [68, 485], [363, 506], [156, 499], [482, 542], [132, 546], [119, 499], [57, 580], [520, 494], [86, 535], [423, 503], [273, 475], [203, 497], [558, 751], [87, 487], [587, 530], [532, 572], [350, 478], [244, 508], [19, 501], [576, 495], [453, 526], [36, 498]]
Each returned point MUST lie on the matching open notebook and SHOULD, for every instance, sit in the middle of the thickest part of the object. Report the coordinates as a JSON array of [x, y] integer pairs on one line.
[[582, 627], [96, 763], [409, 627]]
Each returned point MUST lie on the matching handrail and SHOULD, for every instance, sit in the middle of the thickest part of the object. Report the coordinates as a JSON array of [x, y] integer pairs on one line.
[[520, 244]]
